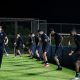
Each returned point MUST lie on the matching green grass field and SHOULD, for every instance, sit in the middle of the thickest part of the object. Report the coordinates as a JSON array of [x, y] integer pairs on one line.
[[24, 68]]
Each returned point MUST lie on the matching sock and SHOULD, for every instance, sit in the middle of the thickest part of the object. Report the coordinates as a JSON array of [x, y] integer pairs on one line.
[[59, 66], [77, 73], [46, 62]]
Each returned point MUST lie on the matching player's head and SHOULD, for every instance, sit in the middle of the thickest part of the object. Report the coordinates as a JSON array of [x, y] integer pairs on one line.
[[73, 33], [0, 28], [33, 35], [52, 32], [41, 32], [18, 35]]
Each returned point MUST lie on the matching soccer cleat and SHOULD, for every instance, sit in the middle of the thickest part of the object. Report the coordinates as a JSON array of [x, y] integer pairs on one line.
[[59, 68], [76, 78], [7, 54], [46, 65]]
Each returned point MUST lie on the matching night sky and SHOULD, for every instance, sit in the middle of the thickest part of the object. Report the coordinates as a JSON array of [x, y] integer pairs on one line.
[[52, 11]]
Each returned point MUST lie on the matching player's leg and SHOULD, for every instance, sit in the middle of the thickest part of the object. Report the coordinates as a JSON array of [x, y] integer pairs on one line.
[[45, 51], [45, 59], [77, 65], [1, 56], [37, 54], [56, 58], [38, 51], [29, 50], [6, 51], [57, 62], [32, 50], [19, 52]]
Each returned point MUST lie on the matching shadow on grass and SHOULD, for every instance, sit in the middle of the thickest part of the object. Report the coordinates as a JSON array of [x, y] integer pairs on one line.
[[24, 65], [42, 74], [37, 73]]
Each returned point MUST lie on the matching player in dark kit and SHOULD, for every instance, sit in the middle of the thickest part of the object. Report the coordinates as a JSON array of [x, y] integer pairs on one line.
[[3, 37], [29, 44], [17, 45], [45, 47], [76, 51], [58, 41], [38, 46]]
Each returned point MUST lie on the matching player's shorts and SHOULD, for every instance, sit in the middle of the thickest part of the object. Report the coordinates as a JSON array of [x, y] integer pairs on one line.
[[17, 47], [39, 48], [1, 49], [33, 49], [45, 48], [58, 51], [76, 56]]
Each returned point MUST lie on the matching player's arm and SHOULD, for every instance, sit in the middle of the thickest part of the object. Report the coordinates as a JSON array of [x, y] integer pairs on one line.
[[69, 43], [22, 42], [60, 41], [6, 40], [71, 53]]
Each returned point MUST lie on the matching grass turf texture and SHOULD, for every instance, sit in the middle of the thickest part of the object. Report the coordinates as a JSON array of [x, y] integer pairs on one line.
[[24, 68]]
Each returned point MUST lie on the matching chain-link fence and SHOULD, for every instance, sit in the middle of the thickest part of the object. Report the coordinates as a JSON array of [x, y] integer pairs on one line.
[[24, 26], [12, 26], [64, 29]]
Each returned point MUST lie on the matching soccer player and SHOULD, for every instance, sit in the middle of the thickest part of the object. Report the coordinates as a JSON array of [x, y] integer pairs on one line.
[[3, 37], [33, 46], [58, 43], [29, 44], [17, 45], [76, 52], [38, 46], [6, 46], [45, 47]]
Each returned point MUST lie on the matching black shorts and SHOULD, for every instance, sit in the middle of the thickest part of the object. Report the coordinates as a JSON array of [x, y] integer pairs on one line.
[[45, 48], [76, 56], [58, 51], [17, 47]]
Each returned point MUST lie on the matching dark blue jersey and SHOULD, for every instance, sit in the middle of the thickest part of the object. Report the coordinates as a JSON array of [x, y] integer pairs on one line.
[[29, 40], [44, 39], [2, 38], [19, 41], [77, 42], [57, 38], [36, 40]]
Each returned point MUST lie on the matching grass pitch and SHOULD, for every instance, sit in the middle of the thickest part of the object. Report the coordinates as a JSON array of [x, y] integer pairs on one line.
[[24, 68]]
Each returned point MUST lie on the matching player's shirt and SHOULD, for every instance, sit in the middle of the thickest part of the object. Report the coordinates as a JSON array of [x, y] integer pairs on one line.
[[2, 38], [19, 41], [44, 39], [29, 41], [37, 40], [77, 42], [57, 38], [33, 40]]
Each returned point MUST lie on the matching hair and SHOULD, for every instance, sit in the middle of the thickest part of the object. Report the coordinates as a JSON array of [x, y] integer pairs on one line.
[[38, 30]]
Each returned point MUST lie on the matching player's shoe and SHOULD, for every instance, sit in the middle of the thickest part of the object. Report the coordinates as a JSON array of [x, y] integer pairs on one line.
[[76, 78], [59, 68], [46, 65], [7, 54]]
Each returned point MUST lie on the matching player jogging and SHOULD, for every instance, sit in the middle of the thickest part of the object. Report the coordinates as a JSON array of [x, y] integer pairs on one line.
[[17, 45], [76, 52], [45, 47], [3, 37], [58, 44]]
